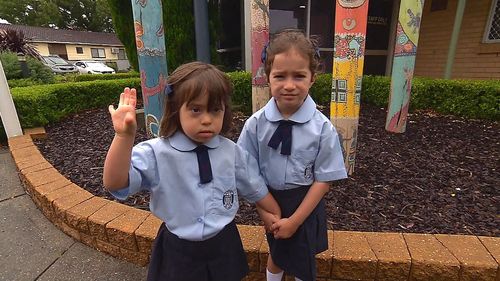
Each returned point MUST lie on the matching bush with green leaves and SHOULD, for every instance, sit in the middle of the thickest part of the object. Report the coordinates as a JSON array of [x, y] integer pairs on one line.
[[38, 72], [42, 104], [178, 19], [93, 77], [11, 65], [473, 99]]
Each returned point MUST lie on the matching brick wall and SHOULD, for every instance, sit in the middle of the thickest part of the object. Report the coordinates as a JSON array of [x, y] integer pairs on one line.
[[473, 59], [128, 233]]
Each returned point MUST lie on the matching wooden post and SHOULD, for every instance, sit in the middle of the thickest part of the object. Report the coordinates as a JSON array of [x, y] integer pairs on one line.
[[151, 52], [348, 60], [259, 36], [405, 50], [8, 111]]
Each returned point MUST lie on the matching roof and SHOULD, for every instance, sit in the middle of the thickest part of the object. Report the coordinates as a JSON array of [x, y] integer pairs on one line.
[[50, 35]]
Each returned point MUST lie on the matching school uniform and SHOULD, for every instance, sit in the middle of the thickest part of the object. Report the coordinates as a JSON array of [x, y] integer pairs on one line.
[[198, 240], [314, 155]]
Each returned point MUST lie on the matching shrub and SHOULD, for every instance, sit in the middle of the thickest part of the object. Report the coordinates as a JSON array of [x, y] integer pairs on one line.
[[38, 72], [242, 95], [10, 65], [42, 104], [179, 30], [93, 77]]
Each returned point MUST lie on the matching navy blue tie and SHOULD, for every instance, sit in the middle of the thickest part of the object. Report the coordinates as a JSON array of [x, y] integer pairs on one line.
[[203, 164], [283, 135]]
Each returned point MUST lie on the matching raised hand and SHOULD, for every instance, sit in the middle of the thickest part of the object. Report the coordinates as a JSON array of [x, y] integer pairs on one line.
[[123, 117]]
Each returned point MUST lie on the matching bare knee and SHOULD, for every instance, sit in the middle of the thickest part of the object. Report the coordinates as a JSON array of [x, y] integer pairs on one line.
[[273, 268]]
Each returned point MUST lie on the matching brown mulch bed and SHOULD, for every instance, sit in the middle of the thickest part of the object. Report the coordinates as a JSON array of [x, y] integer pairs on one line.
[[441, 176]]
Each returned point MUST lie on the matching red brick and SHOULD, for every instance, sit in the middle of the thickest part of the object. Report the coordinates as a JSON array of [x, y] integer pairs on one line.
[[62, 204], [430, 259], [394, 260], [352, 257], [146, 233], [476, 263], [252, 238], [98, 220], [120, 231], [77, 216]]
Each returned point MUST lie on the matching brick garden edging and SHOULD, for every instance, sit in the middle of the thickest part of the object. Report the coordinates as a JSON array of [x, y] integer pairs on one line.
[[127, 233]]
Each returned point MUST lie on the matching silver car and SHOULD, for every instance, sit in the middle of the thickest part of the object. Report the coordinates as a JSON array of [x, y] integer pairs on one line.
[[58, 64]]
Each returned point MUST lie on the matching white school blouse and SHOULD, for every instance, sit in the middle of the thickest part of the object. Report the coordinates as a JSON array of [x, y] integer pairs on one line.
[[316, 154], [168, 168]]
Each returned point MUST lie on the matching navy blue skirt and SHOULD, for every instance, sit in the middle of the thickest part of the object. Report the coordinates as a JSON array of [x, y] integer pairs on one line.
[[297, 254], [220, 258]]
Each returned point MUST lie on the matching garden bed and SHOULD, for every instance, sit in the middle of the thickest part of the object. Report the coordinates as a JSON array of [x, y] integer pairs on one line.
[[441, 176]]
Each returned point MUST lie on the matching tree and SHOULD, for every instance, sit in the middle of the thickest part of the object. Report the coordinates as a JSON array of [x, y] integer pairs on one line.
[[179, 30], [85, 15], [14, 41]]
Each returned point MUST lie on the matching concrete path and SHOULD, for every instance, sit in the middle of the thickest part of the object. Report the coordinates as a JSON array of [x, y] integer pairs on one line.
[[32, 248]]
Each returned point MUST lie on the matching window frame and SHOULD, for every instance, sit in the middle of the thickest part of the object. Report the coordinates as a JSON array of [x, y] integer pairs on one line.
[[121, 51], [78, 48], [98, 55], [491, 15]]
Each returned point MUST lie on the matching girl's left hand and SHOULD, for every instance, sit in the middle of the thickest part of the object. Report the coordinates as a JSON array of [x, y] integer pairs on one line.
[[124, 121], [284, 228]]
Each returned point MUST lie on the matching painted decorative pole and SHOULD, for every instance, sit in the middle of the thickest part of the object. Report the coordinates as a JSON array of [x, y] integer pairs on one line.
[[259, 37], [405, 50], [8, 111], [151, 51], [348, 59]]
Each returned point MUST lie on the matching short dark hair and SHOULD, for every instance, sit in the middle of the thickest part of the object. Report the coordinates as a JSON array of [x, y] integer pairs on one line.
[[287, 39], [188, 82]]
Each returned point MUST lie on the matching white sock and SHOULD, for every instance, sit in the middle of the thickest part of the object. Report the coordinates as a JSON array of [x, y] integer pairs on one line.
[[297, 279], [273, 276]]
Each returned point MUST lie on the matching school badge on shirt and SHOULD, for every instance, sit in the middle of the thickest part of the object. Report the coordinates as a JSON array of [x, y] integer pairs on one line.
[[308, 171], [228, 199]]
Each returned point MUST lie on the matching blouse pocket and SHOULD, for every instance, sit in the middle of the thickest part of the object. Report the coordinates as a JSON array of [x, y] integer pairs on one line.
[[302, 170], [224, 196]]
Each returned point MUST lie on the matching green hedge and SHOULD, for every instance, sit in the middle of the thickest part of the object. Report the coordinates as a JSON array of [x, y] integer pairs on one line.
[[93, 77], [242, 95], [472, 99], [42, 104]]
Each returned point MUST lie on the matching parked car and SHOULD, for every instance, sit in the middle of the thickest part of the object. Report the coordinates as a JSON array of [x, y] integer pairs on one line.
[[93, 67], [58, 64]]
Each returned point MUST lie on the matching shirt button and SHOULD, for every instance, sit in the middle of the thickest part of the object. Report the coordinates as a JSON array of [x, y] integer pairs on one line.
[[199, 220]]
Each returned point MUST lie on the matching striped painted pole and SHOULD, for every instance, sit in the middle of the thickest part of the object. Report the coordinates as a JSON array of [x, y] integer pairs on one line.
[[259, 36], [151, 51], [405, 50], [348, 59]]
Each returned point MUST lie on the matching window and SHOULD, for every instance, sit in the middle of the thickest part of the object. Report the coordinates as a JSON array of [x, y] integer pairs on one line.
[[79, 50], [492, 34], [98, 52], [287, 14], [121, 54]]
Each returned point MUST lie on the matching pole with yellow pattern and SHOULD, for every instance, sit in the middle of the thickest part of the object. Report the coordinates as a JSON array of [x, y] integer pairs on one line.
[[348, 60]]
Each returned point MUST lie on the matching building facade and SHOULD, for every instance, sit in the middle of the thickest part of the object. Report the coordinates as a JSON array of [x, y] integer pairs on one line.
[[475, 55], [75, 45]]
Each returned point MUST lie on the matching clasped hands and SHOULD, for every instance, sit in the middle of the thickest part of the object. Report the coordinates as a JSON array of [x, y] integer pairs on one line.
[[281, 228]]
